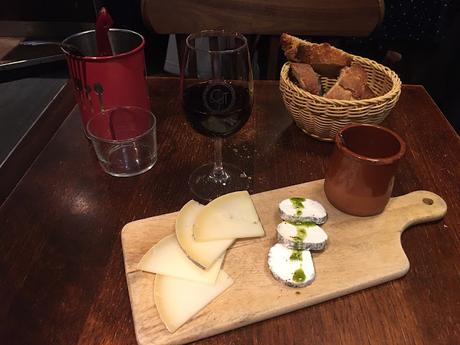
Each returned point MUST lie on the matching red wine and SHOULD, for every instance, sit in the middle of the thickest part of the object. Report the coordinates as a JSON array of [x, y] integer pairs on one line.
[[217, 109]]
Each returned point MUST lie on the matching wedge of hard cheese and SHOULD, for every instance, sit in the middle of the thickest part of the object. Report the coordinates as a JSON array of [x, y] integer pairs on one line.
[[230, 216], [167, 258], [204, 254], [178, 300]]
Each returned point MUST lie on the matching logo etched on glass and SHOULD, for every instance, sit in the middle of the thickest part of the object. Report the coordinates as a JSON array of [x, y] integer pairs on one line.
[[219, 97]]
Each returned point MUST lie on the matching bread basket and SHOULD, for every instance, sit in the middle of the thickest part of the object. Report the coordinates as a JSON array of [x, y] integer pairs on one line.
[[322, 117]]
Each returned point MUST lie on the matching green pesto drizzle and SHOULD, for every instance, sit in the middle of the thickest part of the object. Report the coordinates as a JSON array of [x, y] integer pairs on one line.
[[301, 230], [300, 236], [299, 276], [296, 255], [297, 203]]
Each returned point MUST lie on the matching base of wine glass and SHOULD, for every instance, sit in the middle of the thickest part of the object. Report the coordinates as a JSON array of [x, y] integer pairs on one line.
[[205, 187]]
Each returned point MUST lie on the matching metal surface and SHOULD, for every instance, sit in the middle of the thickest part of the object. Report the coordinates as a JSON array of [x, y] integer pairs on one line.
[[23, 102], [121, 41], [30, 62]]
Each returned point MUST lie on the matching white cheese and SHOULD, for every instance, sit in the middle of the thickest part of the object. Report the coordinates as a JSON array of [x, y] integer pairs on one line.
[[301, 235], [291, 267], [309, 211], [202, 253], [167, 258], [178, 300], [230, 216]]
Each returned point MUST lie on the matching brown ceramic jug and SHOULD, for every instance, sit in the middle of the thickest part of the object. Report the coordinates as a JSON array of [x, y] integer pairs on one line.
[[360, 174]]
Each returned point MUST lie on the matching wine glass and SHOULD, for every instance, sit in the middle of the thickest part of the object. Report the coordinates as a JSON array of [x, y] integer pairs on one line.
[[217, 97]]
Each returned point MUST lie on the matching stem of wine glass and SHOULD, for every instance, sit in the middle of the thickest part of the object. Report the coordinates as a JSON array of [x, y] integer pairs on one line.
[[218, 174]]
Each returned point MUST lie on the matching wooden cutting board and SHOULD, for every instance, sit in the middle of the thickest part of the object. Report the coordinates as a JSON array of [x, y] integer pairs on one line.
[[361, 252]]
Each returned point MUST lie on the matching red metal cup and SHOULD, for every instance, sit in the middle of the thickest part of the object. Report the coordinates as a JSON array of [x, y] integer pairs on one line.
[[103, 82]]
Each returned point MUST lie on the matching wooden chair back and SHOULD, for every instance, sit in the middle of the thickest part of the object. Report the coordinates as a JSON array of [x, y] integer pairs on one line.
[[265, 17]]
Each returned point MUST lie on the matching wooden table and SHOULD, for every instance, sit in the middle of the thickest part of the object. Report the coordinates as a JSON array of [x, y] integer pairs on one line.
[[62, 279]]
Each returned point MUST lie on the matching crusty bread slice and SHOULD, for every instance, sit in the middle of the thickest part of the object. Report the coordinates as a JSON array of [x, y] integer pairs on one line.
[[306, 77], [353, 78], [290, 44], [324, 58], [368, 93], [338, 92], [351, 84]]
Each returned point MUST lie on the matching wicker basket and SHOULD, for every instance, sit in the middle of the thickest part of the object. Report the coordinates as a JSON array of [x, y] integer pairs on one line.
[[322, 117]]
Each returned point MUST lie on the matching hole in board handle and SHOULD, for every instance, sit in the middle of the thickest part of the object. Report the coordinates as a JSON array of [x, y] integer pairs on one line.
[[428, 201]]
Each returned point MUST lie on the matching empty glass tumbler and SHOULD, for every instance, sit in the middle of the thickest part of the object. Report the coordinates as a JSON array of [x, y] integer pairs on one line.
[[124, 140]]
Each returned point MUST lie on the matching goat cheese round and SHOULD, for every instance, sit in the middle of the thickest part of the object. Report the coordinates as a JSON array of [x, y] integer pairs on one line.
[[301, 236], [299, 209], [293, 268]]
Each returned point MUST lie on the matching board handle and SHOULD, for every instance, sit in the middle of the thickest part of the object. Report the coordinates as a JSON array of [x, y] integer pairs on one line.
[[417, 207]]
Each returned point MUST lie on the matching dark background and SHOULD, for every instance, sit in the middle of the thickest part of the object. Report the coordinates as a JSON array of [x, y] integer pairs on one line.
[[417, 39]]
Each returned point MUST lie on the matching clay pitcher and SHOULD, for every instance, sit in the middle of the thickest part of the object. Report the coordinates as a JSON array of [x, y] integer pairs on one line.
[[361, 172]]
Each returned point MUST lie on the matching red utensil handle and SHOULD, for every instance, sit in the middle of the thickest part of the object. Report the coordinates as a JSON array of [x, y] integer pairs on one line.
[[103, 23]]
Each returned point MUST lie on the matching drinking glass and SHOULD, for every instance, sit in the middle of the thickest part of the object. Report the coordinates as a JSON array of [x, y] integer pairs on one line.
[[124, 139], [217, 97]]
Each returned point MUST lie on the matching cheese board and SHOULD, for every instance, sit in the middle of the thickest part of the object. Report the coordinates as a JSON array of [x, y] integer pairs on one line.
[[255, 295]]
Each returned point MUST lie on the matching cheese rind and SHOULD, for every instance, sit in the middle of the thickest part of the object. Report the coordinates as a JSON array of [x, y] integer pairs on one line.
[[229, 216], [202, 253], [167, 258], [301, 236], [298, 209], [285, 264], [178, 300]]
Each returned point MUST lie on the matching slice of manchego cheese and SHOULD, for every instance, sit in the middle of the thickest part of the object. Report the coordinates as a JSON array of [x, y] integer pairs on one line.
[[167, 258], [204, 254], [229, 216], [178, 300]]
